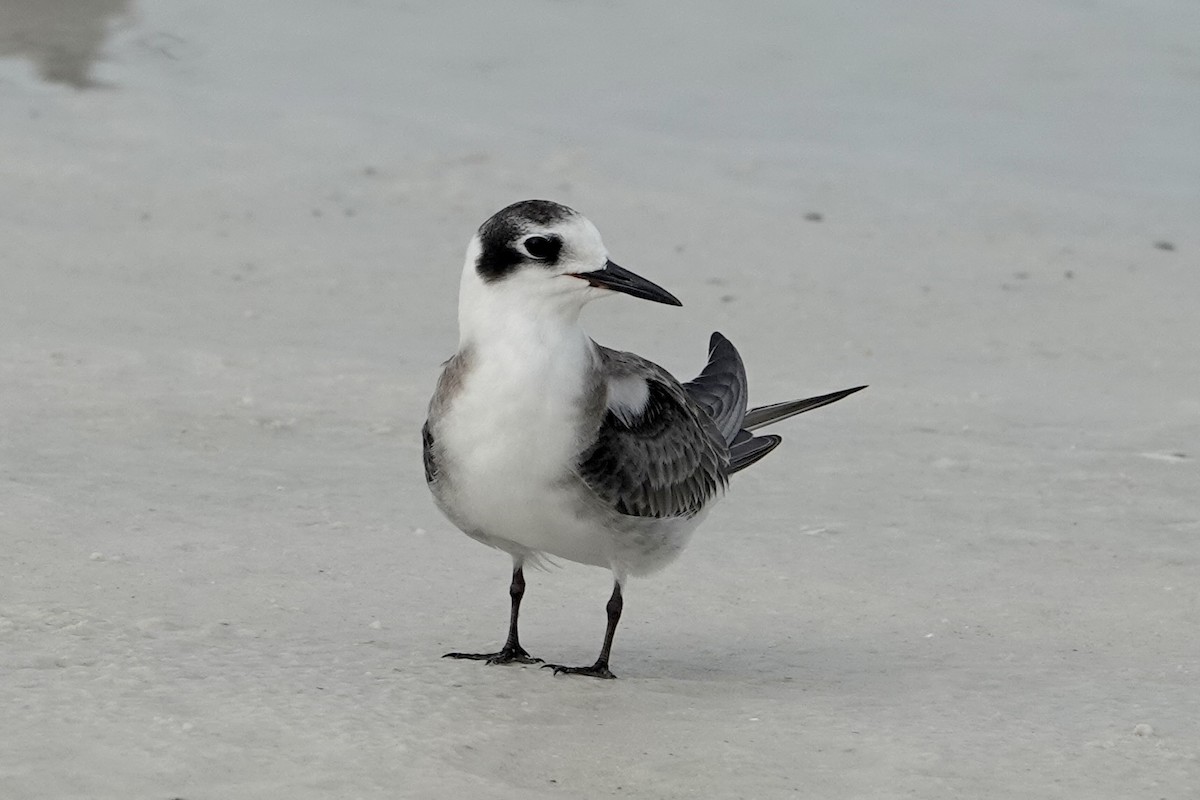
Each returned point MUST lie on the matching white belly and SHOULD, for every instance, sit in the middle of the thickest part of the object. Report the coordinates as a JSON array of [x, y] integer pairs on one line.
[[510, 439]]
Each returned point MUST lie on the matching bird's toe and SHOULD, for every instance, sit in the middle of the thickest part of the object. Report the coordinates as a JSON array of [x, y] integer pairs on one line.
[[509, 655], [597, 670]]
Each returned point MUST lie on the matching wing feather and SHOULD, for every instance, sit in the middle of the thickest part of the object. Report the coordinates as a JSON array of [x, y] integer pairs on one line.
[[720, 388], [666, 459]]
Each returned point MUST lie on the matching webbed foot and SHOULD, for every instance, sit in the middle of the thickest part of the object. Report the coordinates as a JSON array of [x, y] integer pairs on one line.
[[509, 655], [597, 670]]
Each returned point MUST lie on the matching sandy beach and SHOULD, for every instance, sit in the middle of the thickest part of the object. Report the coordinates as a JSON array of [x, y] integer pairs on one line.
[[232, 239]]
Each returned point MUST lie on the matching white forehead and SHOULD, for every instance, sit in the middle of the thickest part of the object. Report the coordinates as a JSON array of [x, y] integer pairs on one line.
[[580, 237]]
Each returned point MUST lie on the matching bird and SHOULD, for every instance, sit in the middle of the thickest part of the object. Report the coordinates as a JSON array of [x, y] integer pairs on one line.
[[543, 444]]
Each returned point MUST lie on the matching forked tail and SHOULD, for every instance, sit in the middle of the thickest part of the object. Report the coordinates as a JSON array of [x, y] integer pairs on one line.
[[720, 389]]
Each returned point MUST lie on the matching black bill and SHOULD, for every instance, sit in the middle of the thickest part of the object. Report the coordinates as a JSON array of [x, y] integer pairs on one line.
[[620, 279]]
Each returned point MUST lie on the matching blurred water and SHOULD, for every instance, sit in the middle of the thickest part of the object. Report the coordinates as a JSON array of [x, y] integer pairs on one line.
[[1093, 103], [62, 37]]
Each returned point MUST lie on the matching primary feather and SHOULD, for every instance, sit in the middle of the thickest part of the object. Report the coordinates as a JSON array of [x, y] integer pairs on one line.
[[669, 455]]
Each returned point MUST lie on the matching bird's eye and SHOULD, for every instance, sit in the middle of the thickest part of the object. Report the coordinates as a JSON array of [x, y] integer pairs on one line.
[[540, 247]]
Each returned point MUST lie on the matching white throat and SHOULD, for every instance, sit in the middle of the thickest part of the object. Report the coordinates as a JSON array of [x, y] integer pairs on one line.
[[520, 311], [514, 428]]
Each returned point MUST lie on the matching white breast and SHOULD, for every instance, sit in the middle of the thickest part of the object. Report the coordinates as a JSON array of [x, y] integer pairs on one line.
[[510, 439]]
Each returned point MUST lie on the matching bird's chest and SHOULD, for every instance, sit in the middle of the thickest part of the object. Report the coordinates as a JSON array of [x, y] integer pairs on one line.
[[518, 424]]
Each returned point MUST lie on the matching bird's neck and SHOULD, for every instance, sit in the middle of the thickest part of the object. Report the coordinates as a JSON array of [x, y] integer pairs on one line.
[[532, 365], [492, 319]]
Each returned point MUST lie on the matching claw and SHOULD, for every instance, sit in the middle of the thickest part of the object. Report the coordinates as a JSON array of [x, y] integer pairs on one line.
[[597, 670], [516, 655]]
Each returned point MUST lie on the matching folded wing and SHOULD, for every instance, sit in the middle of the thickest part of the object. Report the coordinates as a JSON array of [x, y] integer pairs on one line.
[[664, 449], [720, 388], [665, 458]]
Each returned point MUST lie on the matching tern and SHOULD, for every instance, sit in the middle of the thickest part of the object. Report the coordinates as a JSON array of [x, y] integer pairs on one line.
[[544, 444]]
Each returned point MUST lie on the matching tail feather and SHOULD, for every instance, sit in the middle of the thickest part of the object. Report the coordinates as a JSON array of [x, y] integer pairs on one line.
[[765, 415], [720, 389], [750, 450]]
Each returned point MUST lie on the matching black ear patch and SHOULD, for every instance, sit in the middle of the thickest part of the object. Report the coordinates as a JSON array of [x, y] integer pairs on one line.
[[497, 255]]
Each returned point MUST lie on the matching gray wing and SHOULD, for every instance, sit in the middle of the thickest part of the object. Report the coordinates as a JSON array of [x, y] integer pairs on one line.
[[666, 459], [449, 383], [768, 415], [431, 468], [721, 391], [748, 449], [720, 388]]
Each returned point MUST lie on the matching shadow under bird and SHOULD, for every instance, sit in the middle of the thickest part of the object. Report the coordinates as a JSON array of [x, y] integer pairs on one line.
[[540, 442]]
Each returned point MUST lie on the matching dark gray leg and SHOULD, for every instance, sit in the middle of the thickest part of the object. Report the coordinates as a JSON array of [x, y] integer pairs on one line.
[[512, 650], [600, 668]]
